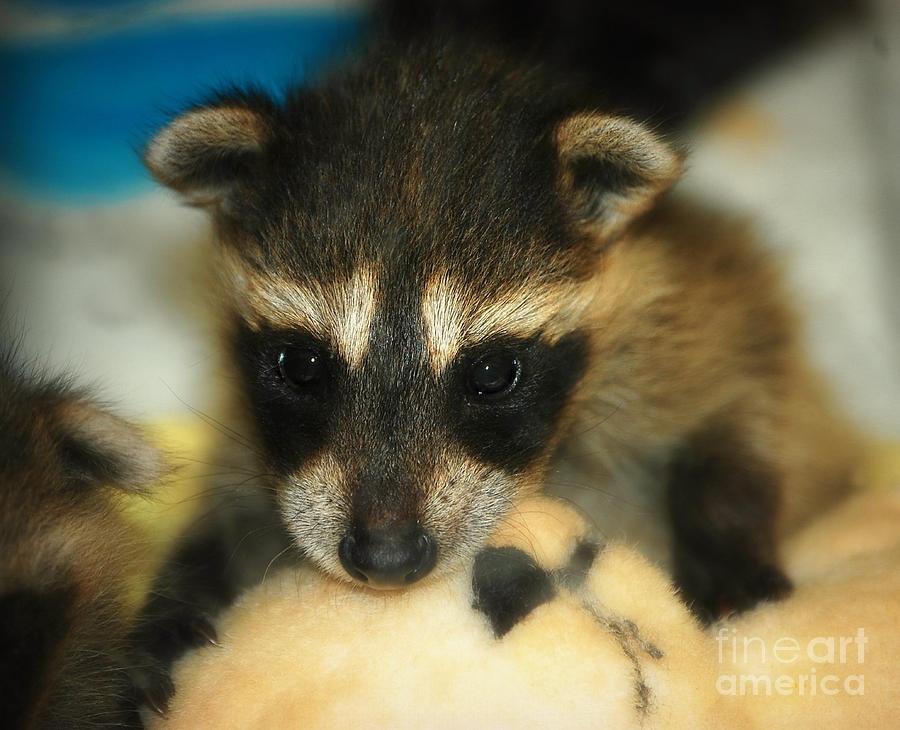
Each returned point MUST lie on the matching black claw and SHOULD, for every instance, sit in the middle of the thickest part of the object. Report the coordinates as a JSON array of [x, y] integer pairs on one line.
[[729, 593], [157, 698], [202, 627]]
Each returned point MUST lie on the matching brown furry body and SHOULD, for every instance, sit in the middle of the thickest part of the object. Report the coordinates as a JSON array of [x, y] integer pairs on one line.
[[699, 385], [440, 266], [64, 555]]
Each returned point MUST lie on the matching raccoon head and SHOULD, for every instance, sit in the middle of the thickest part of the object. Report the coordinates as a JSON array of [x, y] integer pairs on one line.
[[410, 249]]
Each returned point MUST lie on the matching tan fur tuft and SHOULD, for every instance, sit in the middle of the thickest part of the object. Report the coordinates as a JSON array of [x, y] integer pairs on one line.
[[633, 166]]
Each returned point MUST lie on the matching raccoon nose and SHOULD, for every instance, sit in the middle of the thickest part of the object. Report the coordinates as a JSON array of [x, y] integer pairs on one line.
[[388, 557]]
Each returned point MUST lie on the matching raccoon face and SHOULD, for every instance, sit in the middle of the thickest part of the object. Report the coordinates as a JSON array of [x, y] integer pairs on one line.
[[410, 252], [395, 460]]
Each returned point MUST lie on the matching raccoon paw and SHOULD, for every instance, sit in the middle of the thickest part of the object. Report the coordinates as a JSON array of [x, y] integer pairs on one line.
[[729, 589], [160, 643]]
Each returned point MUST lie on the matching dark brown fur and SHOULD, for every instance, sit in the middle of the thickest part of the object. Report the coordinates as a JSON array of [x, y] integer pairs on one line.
[[699, 377], [65, 552]]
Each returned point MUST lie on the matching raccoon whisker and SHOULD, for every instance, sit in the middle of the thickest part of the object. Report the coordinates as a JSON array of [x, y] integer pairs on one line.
[[594, 425], [289, 549], [217, 424], [215, 500], [202, 496], [255, 532], [227, 478], [258, 480], [519, 529], [613, 497], [241, 478]]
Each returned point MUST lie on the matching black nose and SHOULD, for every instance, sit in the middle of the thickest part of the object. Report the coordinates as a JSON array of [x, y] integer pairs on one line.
[[388, 557]]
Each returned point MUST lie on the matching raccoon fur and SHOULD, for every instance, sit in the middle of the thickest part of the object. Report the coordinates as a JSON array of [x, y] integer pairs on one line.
[[440, 265], [64, 554]]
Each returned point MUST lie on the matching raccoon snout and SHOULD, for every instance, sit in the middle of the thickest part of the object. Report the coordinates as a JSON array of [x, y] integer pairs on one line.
[[388, 557]]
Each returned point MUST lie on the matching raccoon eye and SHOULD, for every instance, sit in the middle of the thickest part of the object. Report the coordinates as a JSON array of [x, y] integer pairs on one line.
[[301, 367], [494, 375]]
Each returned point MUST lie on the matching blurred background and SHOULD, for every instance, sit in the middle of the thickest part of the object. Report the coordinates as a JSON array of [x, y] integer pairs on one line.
[[102, 273]]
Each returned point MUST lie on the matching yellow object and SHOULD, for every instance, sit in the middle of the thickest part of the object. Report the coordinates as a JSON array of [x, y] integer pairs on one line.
[[616, 649]]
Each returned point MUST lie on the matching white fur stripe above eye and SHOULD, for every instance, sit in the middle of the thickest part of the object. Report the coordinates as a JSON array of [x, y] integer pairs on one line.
[[455, 318], [355, 311], [339, 313]]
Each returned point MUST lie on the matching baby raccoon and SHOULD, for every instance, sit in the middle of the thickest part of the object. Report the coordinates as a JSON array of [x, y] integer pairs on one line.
[[439, 265], [64, 550]]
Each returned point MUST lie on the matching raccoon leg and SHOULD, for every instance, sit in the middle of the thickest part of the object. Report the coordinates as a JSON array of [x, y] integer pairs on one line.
[[191, 589], [226, 551], [723, 501]]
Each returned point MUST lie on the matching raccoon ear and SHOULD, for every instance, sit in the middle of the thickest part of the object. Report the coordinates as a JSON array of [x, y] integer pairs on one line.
[[99, 448], [611, 169], [206, 152]]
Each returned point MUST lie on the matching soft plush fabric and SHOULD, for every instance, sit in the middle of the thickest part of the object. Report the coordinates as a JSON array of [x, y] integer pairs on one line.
[[551, 627]]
